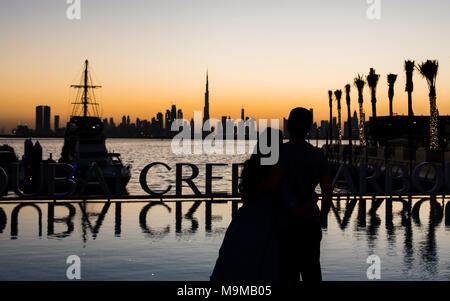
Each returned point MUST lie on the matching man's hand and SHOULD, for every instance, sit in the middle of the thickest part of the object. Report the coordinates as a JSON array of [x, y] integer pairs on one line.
[[302, 209]]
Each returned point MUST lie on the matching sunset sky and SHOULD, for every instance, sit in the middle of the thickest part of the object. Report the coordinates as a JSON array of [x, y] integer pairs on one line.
[[267, 55]]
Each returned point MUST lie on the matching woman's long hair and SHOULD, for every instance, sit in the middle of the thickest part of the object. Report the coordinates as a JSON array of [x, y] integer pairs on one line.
[[254, 172]]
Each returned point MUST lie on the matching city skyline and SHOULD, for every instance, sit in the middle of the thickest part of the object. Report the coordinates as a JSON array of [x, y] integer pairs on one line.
[[269, 57]]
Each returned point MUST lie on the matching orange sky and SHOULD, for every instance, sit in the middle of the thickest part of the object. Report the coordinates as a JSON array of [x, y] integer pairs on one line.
[[269, 58]]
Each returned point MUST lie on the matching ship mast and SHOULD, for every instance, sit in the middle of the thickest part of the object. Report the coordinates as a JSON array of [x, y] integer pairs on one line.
[[85, 86]]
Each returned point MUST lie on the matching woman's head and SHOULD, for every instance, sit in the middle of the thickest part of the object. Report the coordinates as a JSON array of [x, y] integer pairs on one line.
[[254, 172]]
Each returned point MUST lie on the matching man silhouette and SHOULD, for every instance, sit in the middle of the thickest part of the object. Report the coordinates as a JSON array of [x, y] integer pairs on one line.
[[301, 167]]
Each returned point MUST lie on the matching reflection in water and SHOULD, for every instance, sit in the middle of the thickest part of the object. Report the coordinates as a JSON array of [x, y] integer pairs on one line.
[[349, 206], [427, 248], [190, 216], [374, 224], [408, 251], [86, 223], [447, 215], [15, 216], [143, 221], [362, 213], [402, 217], [118, 220], [407, 214], [68, 220], [3, 220]]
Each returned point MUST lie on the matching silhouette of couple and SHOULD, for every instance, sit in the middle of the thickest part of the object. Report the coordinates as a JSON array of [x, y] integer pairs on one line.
[[276, 233]]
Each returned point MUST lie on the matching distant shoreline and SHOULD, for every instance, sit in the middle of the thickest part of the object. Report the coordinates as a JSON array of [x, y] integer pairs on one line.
[[62, 137]]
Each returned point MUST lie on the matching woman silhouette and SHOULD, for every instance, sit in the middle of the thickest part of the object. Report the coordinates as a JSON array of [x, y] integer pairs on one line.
[[249, 248]]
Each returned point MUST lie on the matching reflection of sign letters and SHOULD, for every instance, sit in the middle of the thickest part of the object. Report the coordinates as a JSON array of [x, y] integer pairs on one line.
[[92, 221]]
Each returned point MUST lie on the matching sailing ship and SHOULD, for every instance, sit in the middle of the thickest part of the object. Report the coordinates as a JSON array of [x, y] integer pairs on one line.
[[84, 142]]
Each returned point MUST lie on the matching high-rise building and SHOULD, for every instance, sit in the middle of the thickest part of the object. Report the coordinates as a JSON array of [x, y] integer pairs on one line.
[[47, 127], [39, 119], [43, 120], [56, 123], [180, 114], [159, 118], [224, 126], [173, 113], [206, 107], [334, 128], [168, 124], [242, 114]]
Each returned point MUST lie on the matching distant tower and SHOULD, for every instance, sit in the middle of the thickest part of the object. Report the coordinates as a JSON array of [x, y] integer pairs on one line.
[[242, 114], [39, 117], [42, 119], [56, 125], [224, 126], [173, 113], [47, 119], [206, 108], [168, 120], [180, 114]]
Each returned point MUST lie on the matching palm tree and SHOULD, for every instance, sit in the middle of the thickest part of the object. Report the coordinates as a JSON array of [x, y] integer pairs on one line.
[[359, 83], [330, 96], [349, 121], [409, 68], [429, 70], [338, 95], [391, 78], [372, 81]]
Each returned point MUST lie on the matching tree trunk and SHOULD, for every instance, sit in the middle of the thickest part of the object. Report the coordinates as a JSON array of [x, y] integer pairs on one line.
[[434, 140]]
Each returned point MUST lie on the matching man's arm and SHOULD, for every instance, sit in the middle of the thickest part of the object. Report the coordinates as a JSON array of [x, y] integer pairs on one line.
[[327, 194], [276, 174]]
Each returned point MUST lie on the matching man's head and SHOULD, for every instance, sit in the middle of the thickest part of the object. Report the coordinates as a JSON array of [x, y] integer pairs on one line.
[[299, 123]]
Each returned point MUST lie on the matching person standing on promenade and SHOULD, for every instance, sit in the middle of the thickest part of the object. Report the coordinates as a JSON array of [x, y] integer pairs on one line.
[[300, 169]]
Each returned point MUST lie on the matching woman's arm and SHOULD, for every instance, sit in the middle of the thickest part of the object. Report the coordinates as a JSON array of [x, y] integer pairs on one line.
[[267, 185]]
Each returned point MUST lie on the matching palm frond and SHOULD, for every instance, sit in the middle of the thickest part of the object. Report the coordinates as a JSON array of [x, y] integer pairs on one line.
[[429, 70], [372, 78], [409, 66], [391, 78], [347, 88], [359, 81]]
